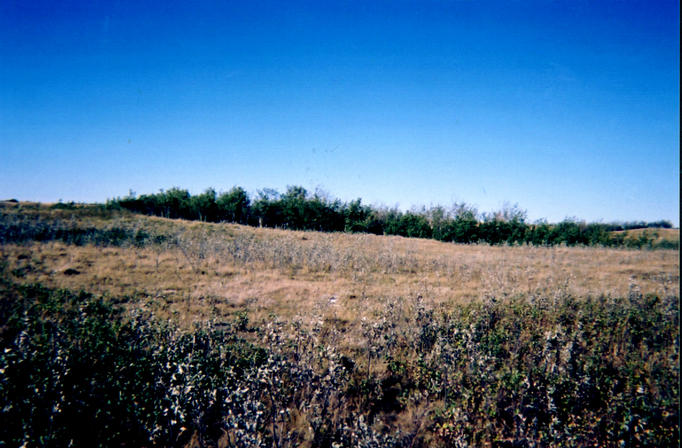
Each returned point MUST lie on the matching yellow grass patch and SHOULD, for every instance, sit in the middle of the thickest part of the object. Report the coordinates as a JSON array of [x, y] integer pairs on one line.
[[215, 270]]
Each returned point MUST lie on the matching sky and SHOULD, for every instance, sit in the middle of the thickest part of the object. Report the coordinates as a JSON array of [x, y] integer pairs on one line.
[[566, 108]]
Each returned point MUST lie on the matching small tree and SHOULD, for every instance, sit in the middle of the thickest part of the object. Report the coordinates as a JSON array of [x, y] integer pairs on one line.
[[204, 206], [355, 216], [465, 228], [267, 209], [234, 206]]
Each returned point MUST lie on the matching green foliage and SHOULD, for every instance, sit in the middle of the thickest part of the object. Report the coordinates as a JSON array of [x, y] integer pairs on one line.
[[547, 371], [663, 224], [267, 210], [554, 372], [74, 372], [415, 226], [174, 203], [464, 225], [298, 209], [234, 206], [356, 216], [204, 206]]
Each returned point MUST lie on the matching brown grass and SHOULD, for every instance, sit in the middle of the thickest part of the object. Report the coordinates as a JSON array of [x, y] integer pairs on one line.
[[211, 271], [374, 298]]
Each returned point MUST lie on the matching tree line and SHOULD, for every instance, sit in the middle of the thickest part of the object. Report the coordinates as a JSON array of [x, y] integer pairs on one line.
[[298, 209]]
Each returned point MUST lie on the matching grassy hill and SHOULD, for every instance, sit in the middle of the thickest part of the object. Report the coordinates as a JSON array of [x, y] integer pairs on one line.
[[658, 236], [253, 337]]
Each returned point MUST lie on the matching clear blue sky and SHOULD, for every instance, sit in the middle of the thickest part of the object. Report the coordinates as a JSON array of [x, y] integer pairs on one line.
[[568, 108]]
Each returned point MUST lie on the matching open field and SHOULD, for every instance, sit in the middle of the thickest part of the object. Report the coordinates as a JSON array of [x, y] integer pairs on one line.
[[217, 269], [220, 268], [436, 344]]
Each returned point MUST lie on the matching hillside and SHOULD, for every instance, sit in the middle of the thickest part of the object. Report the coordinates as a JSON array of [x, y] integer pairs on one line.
[[658, 236], [268, 270], [431, 343]]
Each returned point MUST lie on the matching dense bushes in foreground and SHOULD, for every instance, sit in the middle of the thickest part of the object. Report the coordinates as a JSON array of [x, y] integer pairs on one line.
[[297, 209], [538, 371]]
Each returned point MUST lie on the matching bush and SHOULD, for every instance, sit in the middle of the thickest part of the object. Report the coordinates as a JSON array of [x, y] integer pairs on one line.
[[75, 372], [234, 206], [550, 371]]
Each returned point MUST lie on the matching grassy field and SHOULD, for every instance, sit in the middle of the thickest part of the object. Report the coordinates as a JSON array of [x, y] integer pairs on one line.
[[330, 339]]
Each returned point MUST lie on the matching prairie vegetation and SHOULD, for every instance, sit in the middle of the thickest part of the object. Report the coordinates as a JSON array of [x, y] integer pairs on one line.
[[147, 330], [297, 209]]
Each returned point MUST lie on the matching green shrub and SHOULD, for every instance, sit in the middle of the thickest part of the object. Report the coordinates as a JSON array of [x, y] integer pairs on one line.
[[544, 371]]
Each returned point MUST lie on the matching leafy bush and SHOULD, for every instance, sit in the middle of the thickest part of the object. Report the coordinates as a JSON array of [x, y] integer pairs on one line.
[[234, 206], [75, 372]]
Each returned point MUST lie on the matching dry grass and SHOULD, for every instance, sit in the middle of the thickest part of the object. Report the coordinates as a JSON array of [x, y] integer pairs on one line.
[[391, 305], [210, 271]]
